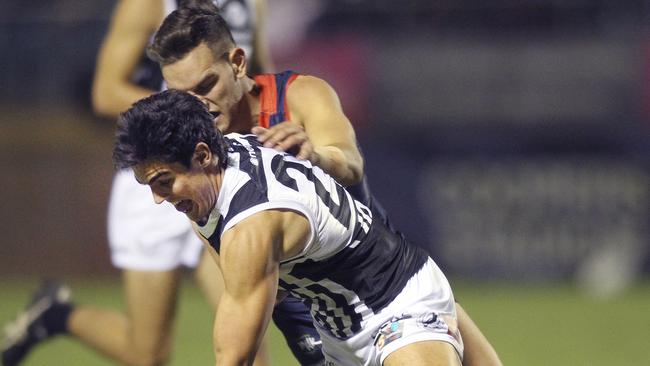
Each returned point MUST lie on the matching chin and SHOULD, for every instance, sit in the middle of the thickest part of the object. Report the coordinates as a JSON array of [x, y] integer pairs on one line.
[[196, 217], [190, 215]]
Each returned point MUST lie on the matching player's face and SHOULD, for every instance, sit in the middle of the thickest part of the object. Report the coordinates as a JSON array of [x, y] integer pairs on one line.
[[213, 80], [191, 191]]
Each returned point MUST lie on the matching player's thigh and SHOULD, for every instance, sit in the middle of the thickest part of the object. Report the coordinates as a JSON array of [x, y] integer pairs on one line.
[[477, 349], [425, 353], [208, 276], [151, 301]]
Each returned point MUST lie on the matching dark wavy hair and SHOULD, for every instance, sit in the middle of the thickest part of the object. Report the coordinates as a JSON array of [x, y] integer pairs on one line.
[[188, 26], [166, 127]]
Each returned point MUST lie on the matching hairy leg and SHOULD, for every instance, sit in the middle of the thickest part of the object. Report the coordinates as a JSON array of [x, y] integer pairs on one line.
[[478, 350], [425, 353], [210, 281], [143, 335]]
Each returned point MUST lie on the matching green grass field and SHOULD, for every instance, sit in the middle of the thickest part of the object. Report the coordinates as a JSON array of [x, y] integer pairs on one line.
[[529, 325]]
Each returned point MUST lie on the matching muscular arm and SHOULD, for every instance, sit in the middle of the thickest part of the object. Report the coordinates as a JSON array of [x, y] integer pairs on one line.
[[249, 258], [319, 129], [132, 24]]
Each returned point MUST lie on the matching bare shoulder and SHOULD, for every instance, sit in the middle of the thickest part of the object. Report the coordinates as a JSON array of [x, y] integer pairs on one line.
[[310, 96], [306, 84], [282, 231]]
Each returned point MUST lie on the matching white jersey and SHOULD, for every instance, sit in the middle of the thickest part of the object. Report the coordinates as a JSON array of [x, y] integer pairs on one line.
[[350, 268]]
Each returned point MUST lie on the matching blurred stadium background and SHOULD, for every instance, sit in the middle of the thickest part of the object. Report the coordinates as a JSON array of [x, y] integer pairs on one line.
[[509, 138]]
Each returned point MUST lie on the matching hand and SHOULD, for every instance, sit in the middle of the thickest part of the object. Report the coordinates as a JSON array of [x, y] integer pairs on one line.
[[287, 136]]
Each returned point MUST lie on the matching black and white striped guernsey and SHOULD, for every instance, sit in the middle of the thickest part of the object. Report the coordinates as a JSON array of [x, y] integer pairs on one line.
[[352, 266]]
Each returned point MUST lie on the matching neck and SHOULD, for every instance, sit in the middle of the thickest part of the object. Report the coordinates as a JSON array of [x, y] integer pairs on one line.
[[249, 108], [216, 180]]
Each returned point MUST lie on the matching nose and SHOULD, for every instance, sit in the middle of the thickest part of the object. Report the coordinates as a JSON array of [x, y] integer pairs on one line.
[[202, 98]]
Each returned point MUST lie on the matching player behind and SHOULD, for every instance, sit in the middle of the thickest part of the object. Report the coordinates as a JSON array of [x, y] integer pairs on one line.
[[151, 264], [273, 222]]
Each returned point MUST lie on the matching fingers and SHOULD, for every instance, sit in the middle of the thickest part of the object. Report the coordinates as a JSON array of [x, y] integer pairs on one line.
[[289, 142], [306, 151], [283, 136], [278, 134], [258, 130]]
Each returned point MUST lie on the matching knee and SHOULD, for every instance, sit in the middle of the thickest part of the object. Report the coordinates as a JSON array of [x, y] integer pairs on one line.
[[149, 357]]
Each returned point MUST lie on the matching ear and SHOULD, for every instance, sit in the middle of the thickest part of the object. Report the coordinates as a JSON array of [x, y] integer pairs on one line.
[[237, 58], [202, 156]]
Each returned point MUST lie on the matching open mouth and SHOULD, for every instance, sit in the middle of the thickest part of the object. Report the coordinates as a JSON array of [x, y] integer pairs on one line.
[[184, 206]]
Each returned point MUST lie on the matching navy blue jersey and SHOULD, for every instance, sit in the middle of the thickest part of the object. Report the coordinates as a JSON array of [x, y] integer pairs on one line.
[[352, 265]]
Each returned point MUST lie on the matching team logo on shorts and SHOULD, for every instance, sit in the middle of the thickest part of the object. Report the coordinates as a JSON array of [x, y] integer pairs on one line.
[[307, 343], [390, 331], [441, 323]]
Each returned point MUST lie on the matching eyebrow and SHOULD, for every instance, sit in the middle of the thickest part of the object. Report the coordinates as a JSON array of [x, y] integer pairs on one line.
[[154, 178], [208, 78]]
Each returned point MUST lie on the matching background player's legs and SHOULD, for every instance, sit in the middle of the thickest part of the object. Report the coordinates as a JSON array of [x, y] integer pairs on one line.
[[426, 353], [143, 337], [478, 350], [208, 276]]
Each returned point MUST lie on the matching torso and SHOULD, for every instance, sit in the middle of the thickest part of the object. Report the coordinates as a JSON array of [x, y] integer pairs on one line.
[[352, 266]]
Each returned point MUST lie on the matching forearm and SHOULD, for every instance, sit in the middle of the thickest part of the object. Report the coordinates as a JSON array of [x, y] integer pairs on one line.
[[109, 100], [346, 168], [238, 331]]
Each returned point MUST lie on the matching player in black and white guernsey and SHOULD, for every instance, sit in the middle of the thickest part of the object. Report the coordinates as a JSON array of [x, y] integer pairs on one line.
[[278, 224], [343, 237]]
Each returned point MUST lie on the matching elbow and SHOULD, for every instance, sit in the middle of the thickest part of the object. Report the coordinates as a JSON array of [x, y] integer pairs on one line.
[[101, 106], [356, 170], [102, 102], [355, 177]]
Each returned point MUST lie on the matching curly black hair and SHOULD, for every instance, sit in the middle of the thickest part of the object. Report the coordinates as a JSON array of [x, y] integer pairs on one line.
[[166, 127]]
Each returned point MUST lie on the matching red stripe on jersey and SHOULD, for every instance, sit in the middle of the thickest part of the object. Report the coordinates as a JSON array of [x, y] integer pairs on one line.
[[268, 98]]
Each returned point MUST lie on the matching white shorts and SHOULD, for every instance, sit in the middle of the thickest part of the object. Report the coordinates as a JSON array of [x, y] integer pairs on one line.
[[146, 236], [425, 310]]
